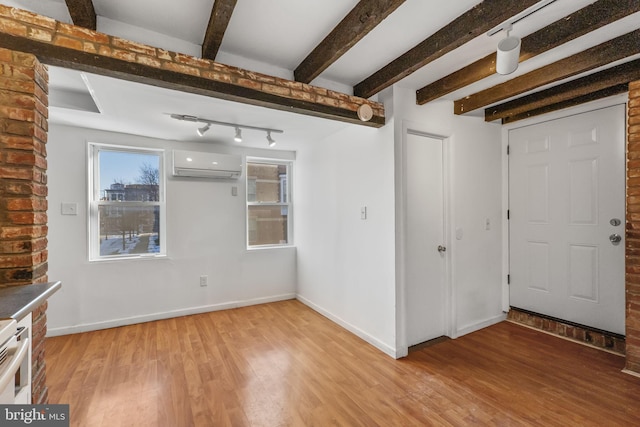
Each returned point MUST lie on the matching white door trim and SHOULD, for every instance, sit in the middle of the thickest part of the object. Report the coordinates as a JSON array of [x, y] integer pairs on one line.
[[412, 128], [584, 108]]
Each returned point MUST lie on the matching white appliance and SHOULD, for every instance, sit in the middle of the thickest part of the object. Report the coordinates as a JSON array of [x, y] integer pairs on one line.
[[15, 361], [206, 165]]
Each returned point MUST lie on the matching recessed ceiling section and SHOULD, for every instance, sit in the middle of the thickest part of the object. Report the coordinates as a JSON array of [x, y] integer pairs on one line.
[[69, 89], [72, 100]]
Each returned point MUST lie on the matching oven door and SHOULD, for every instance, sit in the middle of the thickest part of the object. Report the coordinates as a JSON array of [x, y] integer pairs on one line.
[[15, 352]]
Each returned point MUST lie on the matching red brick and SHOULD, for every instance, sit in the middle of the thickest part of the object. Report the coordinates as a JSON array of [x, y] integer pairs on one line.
[[22, 86], [12, 261], [68, 42], [24, 246], [21, 114], [10, 26], [180, 68], [32, 203], [27, 218], [24, 188], [252, 84], [132, 46], [191, 60], [148, 60], [83, 33], [40, 34], [217, 76], [117, 53], [276, 90], [24, 232]]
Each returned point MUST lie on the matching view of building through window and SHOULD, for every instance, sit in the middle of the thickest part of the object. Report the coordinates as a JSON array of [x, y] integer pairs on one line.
[[127, 211], [268, 201]]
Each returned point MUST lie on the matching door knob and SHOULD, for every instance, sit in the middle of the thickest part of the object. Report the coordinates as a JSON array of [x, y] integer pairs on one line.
[[441, 249], [615, 238]]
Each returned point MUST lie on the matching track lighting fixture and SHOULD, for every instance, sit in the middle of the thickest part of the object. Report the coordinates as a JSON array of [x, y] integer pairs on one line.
[[201, 131], [271, 141], [238, 127], [508, 53]]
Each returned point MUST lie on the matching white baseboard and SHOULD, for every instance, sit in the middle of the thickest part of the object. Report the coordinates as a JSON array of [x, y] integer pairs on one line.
[[86, 327], [632, 373], [351, 328], [480, 325]]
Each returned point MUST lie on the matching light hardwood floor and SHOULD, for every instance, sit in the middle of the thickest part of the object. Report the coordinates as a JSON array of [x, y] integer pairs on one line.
[[282, 364]]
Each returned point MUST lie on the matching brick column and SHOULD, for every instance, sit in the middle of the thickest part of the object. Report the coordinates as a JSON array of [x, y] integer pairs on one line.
[[632, 305], [23, 187]]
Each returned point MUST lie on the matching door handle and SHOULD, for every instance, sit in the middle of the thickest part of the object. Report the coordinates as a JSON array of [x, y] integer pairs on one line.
[[615, 239], [441, 249]]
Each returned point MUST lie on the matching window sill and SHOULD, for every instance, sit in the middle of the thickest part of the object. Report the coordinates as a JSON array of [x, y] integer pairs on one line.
[[269, 247], [129, 258]]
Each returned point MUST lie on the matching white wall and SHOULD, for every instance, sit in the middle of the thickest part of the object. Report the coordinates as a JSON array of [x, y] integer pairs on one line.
[[205, 236], [475, 195], [346, 264], [342, 266]]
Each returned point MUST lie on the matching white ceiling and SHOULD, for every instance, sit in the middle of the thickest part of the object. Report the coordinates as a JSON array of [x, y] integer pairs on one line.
[[273, 37]]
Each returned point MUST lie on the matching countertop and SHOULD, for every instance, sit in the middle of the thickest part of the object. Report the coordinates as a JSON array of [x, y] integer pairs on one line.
[[18, 301]]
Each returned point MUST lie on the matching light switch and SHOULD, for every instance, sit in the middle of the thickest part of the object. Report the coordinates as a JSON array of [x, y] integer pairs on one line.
[[69, 208], [234, 191], [363, 212]]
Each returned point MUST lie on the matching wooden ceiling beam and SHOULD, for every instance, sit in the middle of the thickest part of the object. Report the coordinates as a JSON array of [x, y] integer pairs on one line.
[[575, 89], [476, 21], [597, 56], [587, 19], [363, 18], [593, 96], [82, 13], [218, 23], [161, 68]]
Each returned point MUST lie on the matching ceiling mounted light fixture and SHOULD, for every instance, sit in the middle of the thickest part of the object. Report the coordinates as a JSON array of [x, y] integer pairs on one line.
[[272, 142], [508, 53], [201, 131], [238, 127]]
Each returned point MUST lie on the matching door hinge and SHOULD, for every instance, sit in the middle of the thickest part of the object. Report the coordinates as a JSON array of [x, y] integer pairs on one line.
[[508, 150], [508, 279], [508, 214]]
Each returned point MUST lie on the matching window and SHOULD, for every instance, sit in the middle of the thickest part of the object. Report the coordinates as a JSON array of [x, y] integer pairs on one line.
[[126, 202], [268, 203]]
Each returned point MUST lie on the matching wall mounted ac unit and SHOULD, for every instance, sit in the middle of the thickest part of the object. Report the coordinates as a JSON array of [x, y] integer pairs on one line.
[[206, 165]]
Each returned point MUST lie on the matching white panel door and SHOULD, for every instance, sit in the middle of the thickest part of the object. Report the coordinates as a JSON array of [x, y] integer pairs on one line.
[[424, 263], [567, 204]]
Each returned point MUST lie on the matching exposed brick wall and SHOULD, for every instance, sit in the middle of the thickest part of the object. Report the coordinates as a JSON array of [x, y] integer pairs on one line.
[[633, 230], [583, 334], [23, 187], [46, 30]]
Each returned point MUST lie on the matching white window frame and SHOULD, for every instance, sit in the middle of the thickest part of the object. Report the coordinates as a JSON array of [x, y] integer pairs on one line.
[[286, 203], [94, 201]]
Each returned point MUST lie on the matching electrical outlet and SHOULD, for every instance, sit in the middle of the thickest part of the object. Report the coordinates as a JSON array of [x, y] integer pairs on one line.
[[204, 280]]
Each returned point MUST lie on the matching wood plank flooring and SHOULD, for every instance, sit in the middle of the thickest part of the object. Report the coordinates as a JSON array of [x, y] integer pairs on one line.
[[282, 364]]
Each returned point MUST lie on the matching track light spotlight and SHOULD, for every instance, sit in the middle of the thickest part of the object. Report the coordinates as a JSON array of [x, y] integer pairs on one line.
[[238, 127], [508, 53], [201, 131]]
